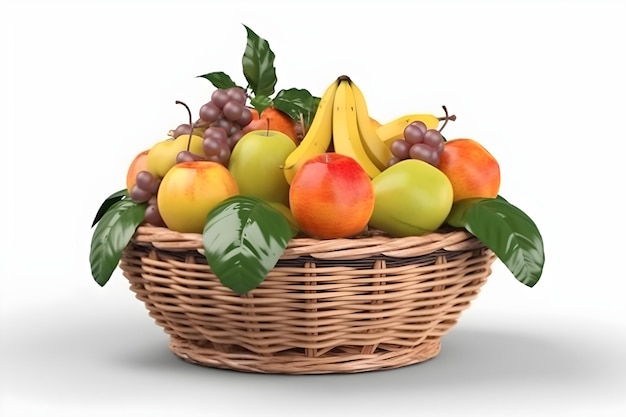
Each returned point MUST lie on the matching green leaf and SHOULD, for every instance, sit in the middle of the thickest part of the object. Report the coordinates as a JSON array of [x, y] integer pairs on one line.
[[297, 101], [505, 229], [219, 79], [106, 204], [260, 103], [112, 235], [258, 65], [243, 239]]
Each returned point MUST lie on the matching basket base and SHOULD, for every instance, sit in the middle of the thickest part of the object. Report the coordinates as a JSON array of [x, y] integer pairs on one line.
[[294, 362]]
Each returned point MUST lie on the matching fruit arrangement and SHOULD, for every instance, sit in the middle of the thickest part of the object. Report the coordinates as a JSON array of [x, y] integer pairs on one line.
[[257, 169]]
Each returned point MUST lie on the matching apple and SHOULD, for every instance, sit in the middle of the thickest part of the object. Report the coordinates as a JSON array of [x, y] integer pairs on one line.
[[272, 118], [472, 170], [162, 155], [286, 212], [139, 163], [256, 164], [412, 198], [190, 190], [331, 196]]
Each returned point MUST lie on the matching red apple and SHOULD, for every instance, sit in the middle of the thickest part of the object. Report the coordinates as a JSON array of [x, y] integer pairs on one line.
[[471, 169], [273, 119], [331, 196]]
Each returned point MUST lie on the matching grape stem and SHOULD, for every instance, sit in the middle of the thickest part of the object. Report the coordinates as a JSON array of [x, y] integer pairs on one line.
[[190, 123], [304, 129], [446, 118]]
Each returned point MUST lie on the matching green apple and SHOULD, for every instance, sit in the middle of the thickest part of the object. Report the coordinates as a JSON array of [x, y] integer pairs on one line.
[[287, 214], [256, 163], [411, 198]]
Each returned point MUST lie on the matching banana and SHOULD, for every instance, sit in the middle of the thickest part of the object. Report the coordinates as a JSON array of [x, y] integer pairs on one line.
[[394, 129], [376, 150], [317, 139], [346, 137]]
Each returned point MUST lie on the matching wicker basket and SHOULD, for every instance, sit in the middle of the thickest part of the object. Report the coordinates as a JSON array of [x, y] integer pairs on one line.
[[328, 306]]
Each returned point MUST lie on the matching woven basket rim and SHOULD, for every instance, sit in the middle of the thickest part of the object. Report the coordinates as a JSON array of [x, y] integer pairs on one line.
[[367, 244]]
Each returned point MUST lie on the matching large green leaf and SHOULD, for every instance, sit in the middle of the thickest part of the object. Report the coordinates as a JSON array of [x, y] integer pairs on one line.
[[243, 239], [108, 202], [219, 79], [295, 102], [505, 229], [112, 235], [258, 65]]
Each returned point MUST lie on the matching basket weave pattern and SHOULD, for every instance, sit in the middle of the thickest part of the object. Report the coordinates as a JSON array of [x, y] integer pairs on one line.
[[328, 306]]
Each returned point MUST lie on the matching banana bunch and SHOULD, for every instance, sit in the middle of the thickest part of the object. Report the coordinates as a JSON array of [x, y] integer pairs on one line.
[[342, 120]]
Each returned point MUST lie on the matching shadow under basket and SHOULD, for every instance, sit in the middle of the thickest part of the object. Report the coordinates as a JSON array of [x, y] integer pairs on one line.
[[328, 306]]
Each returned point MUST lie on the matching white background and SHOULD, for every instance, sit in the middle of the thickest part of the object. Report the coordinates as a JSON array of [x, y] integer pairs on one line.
[[87, 85]]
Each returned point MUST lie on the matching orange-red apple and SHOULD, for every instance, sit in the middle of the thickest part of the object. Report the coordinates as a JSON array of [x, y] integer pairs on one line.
[[331, 196], [273, 119], [139, 163], [471, 169], [190, 190]]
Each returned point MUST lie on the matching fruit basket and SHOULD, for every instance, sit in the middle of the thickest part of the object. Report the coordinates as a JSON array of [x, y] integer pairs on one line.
[[295, 234], [343, 305]]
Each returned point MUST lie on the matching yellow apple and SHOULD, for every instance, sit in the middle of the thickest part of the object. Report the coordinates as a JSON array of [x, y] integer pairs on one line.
[[162, 155], [190, 190]]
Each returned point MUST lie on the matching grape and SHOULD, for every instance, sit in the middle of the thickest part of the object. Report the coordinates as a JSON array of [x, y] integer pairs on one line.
[[225, 123], [234, 138], [155, 186], [413, 133], [224, 117], [214, 158], [216, 150], [152, 215], [237, 94], [233, 130], [424, 153], [183, 129], [400, 148], [433, 138], [210, 146], [138, 195], [144, 180], [233, 110], [394, 160], [245, 118], [219, 98], [421, 125], [215, 133], [187, 156], [418, 142], [224, 153], [209, 112]]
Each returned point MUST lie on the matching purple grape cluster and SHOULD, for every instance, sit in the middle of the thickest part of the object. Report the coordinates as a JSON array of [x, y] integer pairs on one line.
[[145, 191], [418, 142], [223, 117], [221, 121]]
